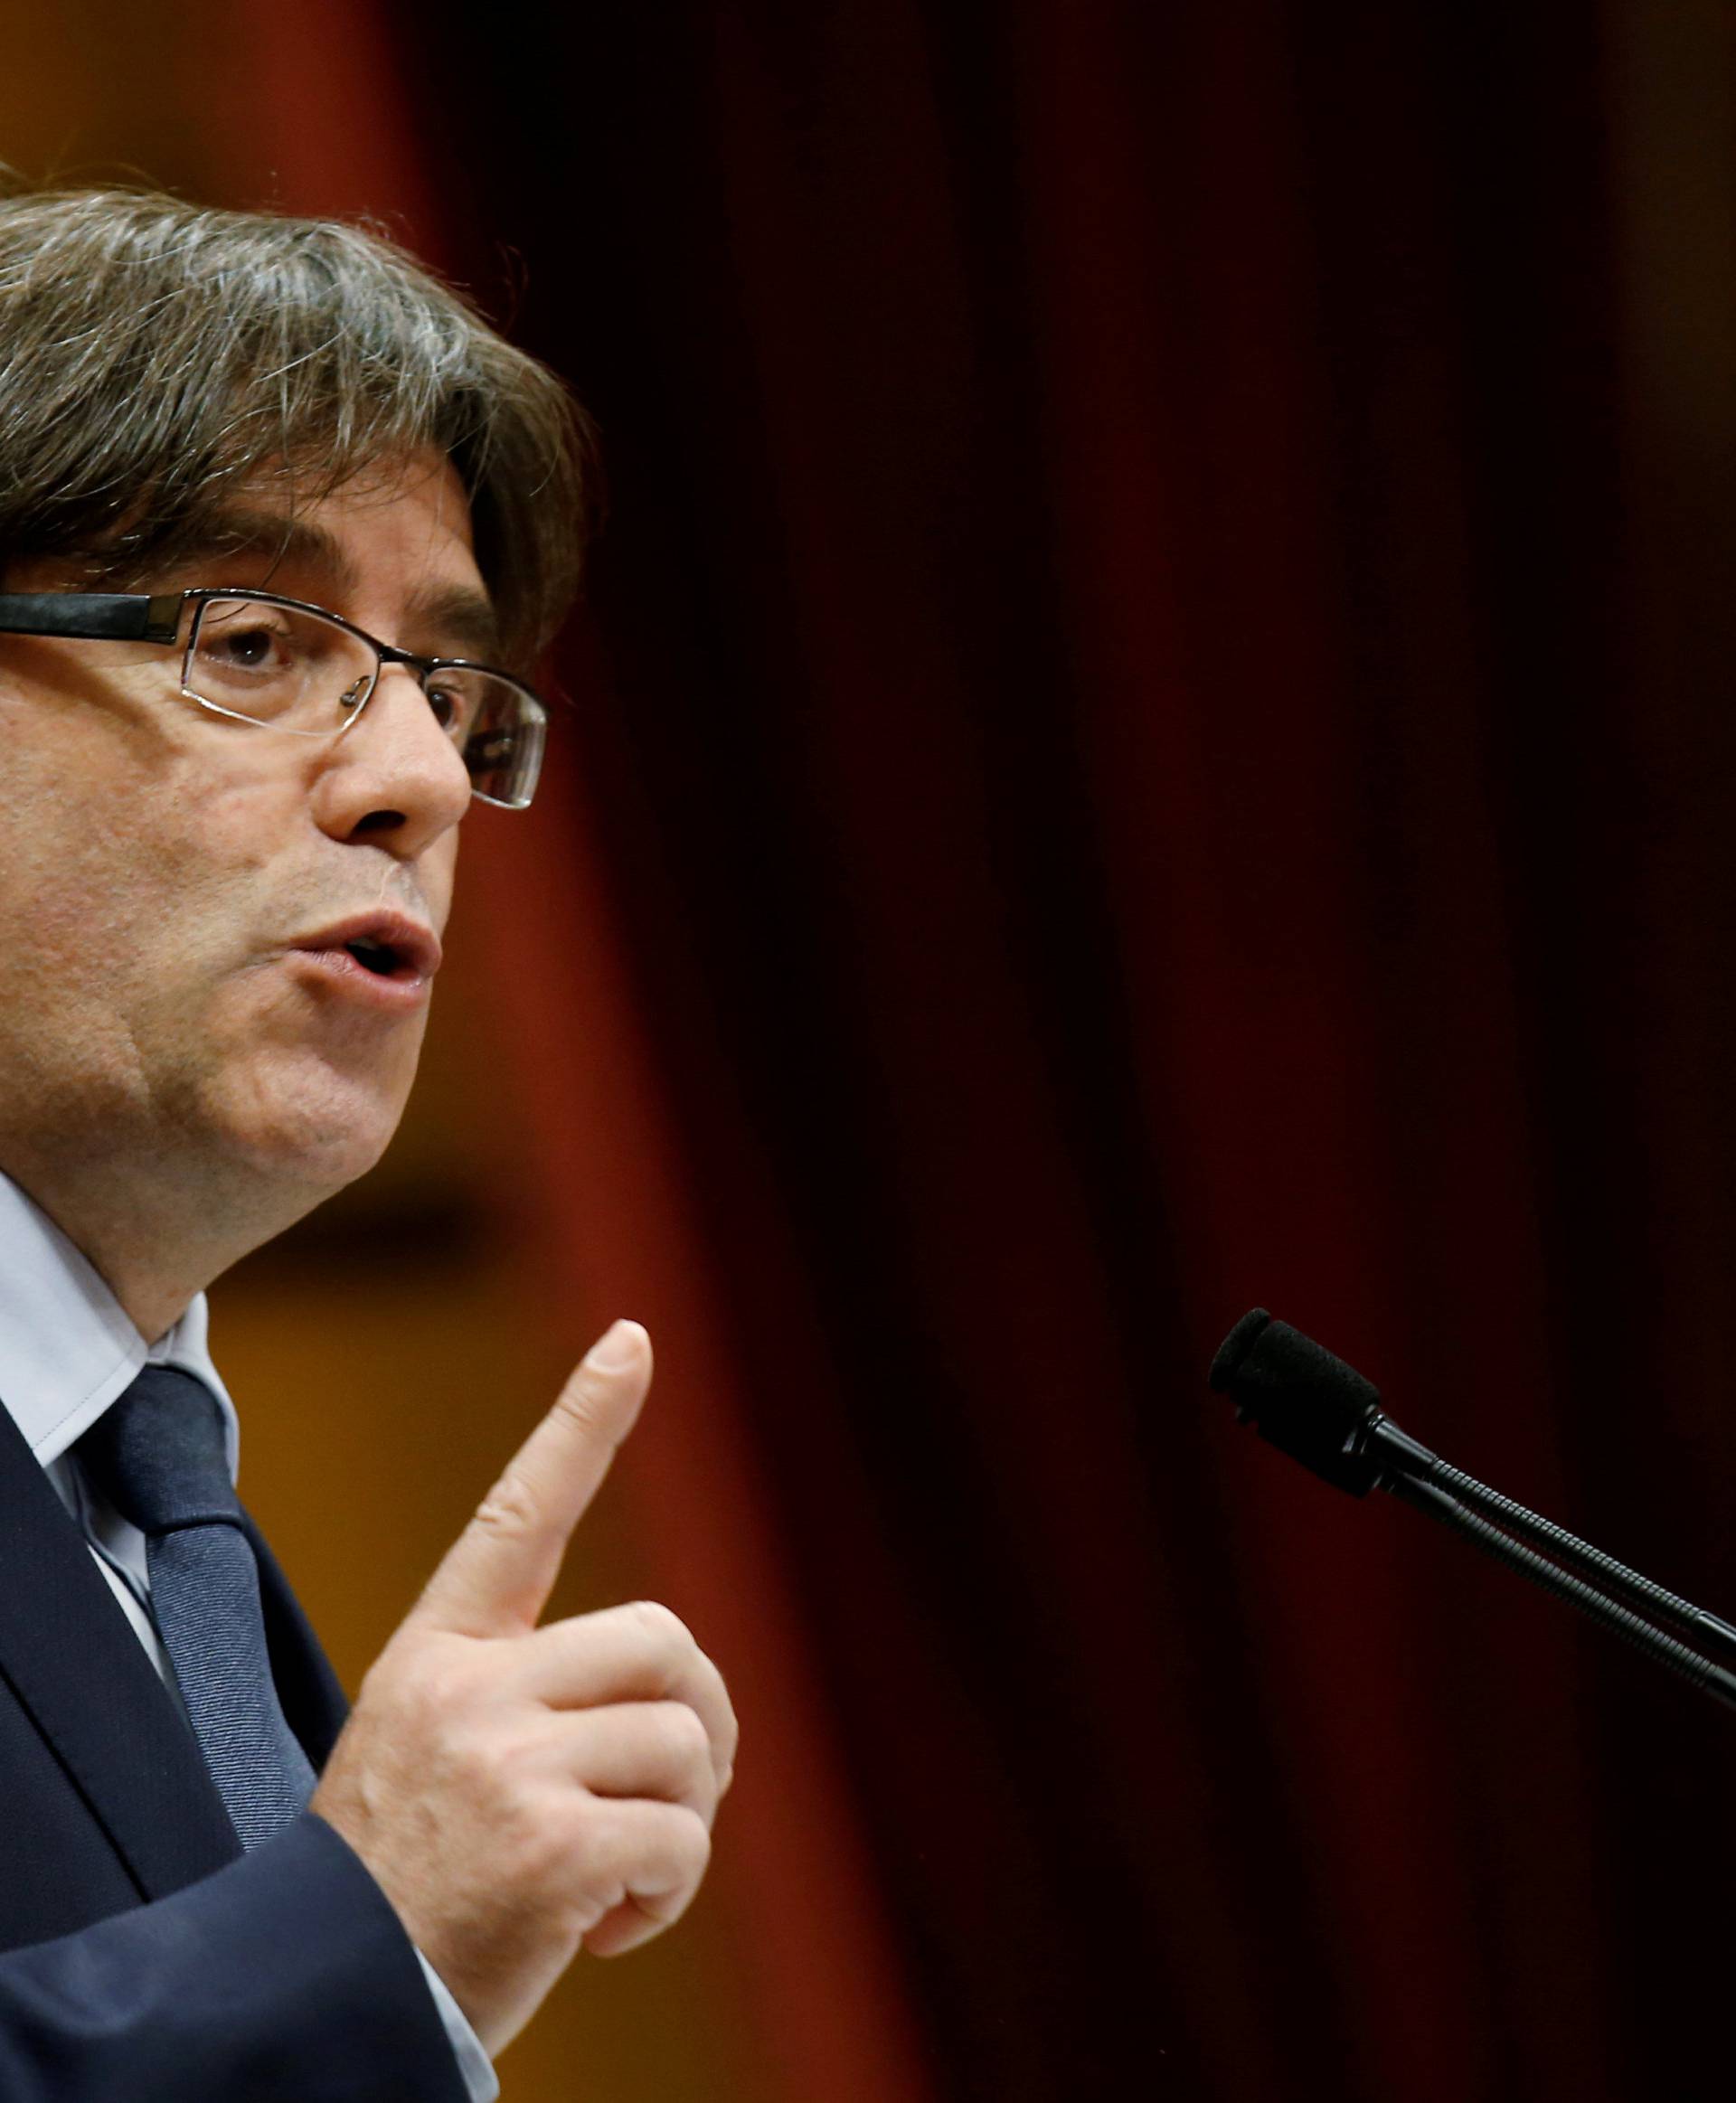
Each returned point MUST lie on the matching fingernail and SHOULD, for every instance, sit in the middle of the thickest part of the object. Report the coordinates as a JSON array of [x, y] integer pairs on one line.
[[617, 1347]]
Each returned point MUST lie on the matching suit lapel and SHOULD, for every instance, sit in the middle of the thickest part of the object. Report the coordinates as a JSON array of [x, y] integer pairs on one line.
[[70, 1657], [313, 1700]]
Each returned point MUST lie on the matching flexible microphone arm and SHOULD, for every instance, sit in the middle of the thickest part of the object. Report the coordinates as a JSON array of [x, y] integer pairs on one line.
[[1322, 1413]]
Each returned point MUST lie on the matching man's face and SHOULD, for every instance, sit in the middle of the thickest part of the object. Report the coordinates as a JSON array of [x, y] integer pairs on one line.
[[166, 876]]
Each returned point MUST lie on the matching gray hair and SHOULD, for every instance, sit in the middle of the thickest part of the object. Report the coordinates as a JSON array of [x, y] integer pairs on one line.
[[154, 354]]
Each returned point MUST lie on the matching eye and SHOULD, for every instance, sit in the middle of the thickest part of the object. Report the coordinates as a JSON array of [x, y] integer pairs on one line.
[[258, 644], [453, 700]]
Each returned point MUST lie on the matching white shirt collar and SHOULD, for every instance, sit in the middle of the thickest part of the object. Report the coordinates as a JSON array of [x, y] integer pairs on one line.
[[67, 1347]]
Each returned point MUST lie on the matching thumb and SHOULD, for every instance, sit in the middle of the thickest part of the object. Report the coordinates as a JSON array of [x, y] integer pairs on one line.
[[496, 1577]]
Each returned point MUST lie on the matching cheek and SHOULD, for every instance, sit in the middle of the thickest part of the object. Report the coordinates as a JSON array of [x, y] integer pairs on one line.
[[120, 889], [151, 886]]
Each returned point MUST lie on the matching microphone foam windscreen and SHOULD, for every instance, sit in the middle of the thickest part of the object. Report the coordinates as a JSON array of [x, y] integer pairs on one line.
[[1300, 1398]]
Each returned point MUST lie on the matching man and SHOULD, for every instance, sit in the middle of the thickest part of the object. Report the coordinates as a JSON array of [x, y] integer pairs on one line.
[[281, 523]]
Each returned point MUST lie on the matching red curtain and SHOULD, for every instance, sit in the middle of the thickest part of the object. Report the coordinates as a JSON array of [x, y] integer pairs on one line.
[[607, 1225], [1151, 737]]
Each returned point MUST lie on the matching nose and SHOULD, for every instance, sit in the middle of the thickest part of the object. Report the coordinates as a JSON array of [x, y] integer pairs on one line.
[[393, 777]]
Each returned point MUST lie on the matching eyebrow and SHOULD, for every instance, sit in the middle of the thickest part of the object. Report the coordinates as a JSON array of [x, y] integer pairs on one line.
[[460, 617]]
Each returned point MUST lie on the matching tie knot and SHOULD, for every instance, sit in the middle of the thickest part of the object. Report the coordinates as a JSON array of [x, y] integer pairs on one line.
[[159, 1455]]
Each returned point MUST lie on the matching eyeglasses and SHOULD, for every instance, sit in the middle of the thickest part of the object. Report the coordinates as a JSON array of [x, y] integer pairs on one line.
[[259, 658]]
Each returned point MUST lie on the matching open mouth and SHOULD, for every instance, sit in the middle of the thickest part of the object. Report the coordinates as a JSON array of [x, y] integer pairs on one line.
[[391, 948], [380, 957]]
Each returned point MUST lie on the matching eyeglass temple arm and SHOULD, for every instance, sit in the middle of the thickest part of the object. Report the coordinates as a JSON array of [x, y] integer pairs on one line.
[[121, 616]]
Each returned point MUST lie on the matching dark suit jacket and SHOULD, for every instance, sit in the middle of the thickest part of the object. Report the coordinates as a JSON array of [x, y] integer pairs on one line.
[[142, 1955]]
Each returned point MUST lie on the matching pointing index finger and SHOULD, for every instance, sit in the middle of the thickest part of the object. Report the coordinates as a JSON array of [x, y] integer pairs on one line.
[[496, 1577]]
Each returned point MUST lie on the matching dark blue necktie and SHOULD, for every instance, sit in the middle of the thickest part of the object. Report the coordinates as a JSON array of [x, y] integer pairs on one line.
[[158, 1454]]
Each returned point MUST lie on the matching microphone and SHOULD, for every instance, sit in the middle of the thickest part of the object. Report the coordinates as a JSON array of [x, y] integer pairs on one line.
[[1311, 1405], [1300, 1398]]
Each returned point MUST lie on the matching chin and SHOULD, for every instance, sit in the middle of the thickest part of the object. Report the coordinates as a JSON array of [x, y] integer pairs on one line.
[[314, 1139]]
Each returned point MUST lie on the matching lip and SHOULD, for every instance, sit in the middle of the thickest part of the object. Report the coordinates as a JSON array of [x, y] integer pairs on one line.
[[416, 948]]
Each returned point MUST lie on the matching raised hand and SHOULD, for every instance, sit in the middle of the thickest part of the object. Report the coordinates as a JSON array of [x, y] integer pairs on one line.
[[518, 1791]]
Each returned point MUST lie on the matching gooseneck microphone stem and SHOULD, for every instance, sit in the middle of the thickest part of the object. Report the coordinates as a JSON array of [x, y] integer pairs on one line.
[[1664, 1649], [1322, 1413], [1415, 1463]]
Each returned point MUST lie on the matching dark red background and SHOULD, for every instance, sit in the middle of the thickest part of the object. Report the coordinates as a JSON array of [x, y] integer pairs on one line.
[[1160, 715]]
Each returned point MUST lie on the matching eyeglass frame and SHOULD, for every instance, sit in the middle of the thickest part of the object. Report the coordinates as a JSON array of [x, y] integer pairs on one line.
[[135, 616]]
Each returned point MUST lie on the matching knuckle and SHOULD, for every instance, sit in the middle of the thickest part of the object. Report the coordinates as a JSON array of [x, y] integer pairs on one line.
[[554, 1851], [514, 1766], [584, 1405], [665, 1629], [428, 1681], [509, 1511], [695, 1845], [687, 1736], [435, 1706], [585, 1853]]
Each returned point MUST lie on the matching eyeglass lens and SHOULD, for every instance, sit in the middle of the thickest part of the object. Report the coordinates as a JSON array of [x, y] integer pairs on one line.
[[301, 672]]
